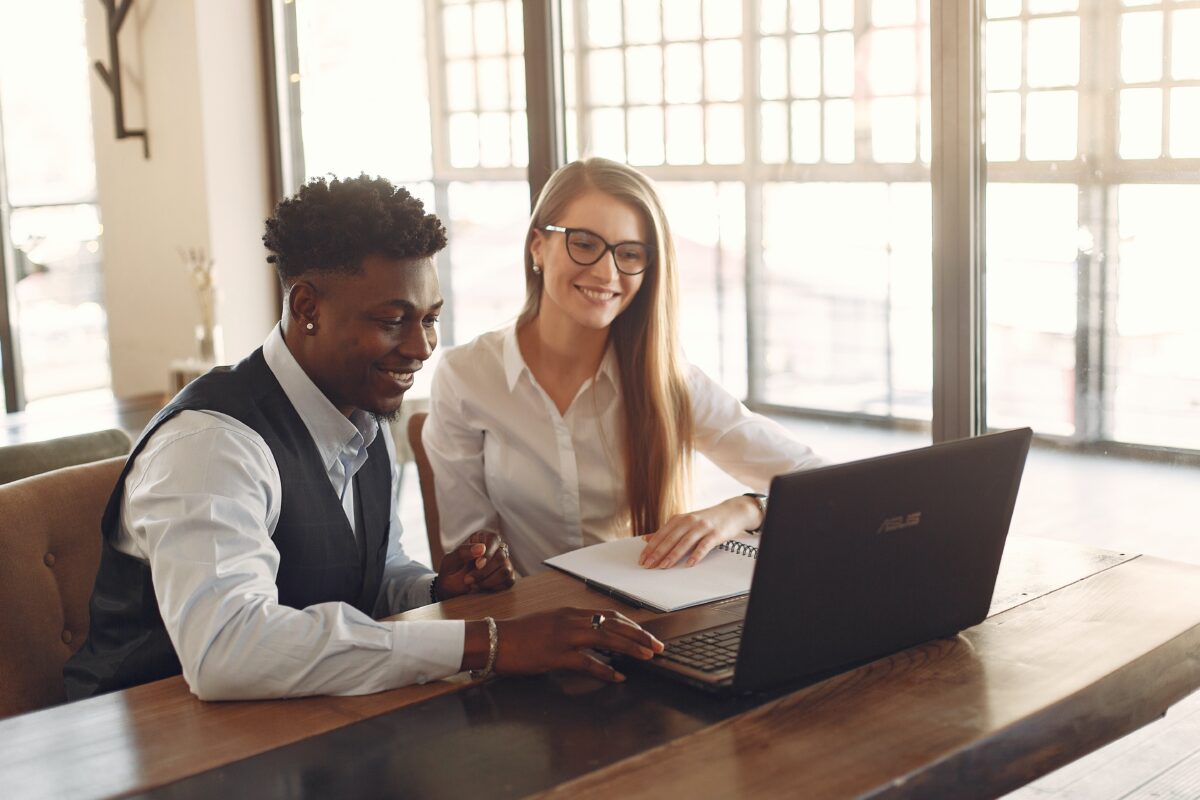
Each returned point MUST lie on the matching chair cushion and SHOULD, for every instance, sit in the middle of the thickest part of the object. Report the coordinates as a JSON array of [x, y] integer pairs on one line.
[[19, 461], [49, 554]]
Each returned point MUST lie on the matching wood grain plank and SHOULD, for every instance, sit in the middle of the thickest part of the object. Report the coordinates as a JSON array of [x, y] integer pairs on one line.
[[973, 716]]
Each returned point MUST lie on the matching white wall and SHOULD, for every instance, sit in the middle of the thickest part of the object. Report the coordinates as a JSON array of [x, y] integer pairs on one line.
[[192, 79]]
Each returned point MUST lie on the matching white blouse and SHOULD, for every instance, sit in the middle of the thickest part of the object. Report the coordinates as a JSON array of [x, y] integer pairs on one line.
[[504, 459]]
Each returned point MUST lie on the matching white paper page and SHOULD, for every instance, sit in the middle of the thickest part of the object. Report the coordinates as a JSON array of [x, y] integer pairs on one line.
[[614, 564]]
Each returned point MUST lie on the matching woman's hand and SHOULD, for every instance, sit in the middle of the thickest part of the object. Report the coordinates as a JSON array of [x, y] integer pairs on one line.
[[698, 532], [479, 564], [559, 639]]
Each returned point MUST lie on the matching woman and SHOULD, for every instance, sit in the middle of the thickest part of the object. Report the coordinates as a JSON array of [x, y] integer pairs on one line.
[[577, 424]]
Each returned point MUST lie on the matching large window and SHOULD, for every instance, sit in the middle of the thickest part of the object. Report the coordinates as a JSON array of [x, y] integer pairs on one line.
[[809, 123], [795, 145], [1093, 144], [55, 341], [429, 94]]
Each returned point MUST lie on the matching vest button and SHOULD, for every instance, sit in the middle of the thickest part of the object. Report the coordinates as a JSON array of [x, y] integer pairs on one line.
[[48, 559], [66, 637]]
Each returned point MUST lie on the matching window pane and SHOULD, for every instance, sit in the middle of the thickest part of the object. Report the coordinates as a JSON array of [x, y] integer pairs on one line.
[[774, 147], [60, 300], [722, 18], [646, 141], [1002, 131], [1185, 122], [681, 20], [44, 74], [1002, 41], [645, 64], [344, 128], [1156, 375], [806, 66], [723, 131], [642, 21], [838, 63], [893, 62], [772, 78], [894, 129], [1031, 297], [683, 73], [806, 131], [685, 135], [1053, 52], [490, 219], [847, 270], [1141, 123], [723, 70], [1141, 47], [1051, 125], [1185, 33], [707, 223]]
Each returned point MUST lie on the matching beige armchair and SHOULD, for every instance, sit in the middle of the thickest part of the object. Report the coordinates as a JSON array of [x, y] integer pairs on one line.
[[49, 553]]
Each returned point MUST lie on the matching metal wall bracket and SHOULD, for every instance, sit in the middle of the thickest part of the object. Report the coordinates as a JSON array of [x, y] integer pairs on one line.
[[112, 76]]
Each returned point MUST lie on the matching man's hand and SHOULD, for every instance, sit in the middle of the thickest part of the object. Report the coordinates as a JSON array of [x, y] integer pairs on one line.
[[698, 532], [559, 639], [479, 564]]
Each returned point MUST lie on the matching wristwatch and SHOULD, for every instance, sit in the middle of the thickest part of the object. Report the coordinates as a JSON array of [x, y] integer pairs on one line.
[[761, 499]]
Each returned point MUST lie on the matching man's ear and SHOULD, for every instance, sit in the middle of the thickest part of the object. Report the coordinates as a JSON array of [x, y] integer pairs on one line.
[[303, 302]]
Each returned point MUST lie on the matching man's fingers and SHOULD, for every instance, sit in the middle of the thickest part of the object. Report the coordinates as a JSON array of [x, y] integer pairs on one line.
[[594, 667]]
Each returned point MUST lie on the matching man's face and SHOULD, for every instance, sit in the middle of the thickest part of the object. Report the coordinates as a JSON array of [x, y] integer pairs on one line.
[[374, 330]]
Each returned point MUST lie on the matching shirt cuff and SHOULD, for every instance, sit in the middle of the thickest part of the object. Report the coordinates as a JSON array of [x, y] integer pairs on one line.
[[418, 591], [427, 650]]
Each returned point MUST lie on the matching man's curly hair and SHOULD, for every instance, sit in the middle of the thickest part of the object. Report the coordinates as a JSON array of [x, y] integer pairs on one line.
[[332, 226]]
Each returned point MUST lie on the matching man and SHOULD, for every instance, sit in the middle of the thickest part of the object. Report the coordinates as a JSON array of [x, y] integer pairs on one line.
[[252, 541]]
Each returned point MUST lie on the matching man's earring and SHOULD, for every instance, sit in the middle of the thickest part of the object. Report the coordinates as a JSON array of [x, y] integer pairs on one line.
[[311, 328]]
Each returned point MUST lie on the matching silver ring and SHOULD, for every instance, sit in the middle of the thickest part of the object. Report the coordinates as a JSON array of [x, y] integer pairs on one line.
[[504, 549], [597, 621]]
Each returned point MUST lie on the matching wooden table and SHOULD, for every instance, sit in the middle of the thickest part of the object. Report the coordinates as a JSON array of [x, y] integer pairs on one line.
[[1082, 647]]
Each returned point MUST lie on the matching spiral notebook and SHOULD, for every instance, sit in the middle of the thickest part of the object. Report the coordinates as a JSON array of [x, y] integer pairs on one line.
[[612, 568]]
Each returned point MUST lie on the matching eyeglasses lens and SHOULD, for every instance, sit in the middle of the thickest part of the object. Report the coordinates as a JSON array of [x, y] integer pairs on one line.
[[587, 249]]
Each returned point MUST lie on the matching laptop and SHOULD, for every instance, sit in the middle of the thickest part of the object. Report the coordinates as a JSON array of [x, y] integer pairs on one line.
[[856, 561]]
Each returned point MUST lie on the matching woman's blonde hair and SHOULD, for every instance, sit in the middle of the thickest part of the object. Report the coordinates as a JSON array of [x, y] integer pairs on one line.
[[658, 431]]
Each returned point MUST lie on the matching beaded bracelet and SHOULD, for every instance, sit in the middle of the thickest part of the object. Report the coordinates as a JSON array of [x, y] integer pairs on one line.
[[433, 596]]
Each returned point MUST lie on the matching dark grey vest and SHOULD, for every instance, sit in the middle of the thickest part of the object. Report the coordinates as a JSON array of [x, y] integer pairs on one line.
[[319, 561]]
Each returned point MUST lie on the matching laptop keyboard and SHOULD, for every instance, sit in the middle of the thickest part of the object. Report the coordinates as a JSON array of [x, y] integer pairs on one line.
[[709, 650]]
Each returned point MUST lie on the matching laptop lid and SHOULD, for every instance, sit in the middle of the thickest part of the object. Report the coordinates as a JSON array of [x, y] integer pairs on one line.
[[862, 559]]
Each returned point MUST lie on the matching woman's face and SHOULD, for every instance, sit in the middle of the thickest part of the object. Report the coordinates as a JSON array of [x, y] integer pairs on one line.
[[589, 296]]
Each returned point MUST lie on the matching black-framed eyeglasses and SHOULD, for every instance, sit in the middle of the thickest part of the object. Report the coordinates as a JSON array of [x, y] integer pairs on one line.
[[586, 248]]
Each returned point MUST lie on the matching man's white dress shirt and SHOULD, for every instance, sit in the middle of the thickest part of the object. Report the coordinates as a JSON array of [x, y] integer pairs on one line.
[[201, 505], [505, 459]]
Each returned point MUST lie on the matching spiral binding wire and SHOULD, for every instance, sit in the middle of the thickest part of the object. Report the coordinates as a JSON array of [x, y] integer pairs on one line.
[[740, 549]]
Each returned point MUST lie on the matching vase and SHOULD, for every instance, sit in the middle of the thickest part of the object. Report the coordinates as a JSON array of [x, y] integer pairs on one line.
[[206, 341]]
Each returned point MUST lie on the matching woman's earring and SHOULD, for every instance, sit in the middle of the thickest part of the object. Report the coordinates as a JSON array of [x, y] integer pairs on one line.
[[311, 328], [537, 269]]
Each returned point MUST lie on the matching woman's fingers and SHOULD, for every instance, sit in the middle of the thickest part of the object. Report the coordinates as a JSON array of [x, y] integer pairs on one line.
[[664, 539]]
